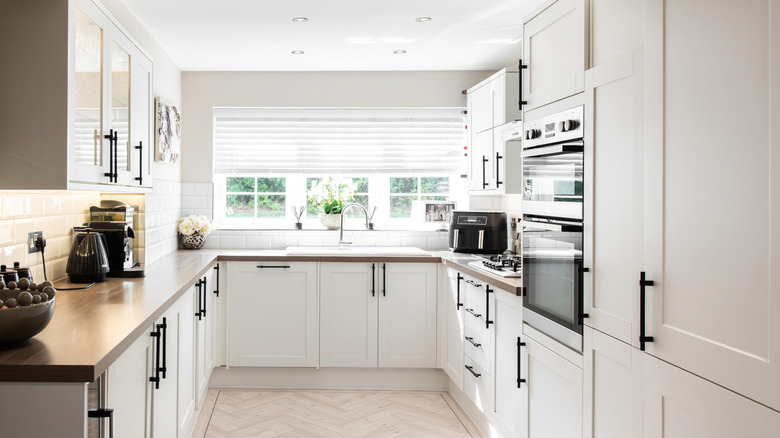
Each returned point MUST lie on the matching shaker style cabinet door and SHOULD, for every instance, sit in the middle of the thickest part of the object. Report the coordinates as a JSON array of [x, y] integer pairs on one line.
[[712, 248], [554, 49], [453, 326], [128, 390], [614, 215], [272, 314], [507, 403], [349, 295]]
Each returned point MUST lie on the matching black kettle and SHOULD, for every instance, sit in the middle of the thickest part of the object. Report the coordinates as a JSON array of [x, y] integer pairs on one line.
[[88, 260]]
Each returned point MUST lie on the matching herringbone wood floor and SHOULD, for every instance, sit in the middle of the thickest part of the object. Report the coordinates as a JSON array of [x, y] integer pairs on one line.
[[331, 413]]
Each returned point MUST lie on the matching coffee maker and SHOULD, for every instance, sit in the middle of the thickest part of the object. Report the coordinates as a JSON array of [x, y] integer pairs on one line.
[[116, 220]]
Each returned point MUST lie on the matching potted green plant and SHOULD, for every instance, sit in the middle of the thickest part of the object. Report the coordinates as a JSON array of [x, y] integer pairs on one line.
[[331, 194]]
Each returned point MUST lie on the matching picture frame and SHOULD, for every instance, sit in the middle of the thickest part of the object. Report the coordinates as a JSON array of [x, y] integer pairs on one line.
[[167, 132], [434, 214]]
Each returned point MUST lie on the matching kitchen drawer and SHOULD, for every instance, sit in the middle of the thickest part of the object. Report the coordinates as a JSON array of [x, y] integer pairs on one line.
[[478, 347], [272, 267], [474, 318], [477, 386], [474, 293]]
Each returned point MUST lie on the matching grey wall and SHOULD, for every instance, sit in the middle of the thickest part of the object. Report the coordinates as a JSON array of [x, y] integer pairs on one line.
[[203, 91]]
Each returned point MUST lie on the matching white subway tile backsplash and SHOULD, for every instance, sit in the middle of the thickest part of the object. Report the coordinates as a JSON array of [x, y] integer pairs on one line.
[[203, 189], [6, 232], [13, 207], [258, 242], [388, 240], [232, 241], [419, 242], [21, 229], [437, 243], [307, 240], [187, 189], [283, 241], [33, 206], [212, 242]]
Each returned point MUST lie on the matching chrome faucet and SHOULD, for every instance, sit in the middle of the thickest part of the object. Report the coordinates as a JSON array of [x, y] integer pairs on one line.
[[341, 226]]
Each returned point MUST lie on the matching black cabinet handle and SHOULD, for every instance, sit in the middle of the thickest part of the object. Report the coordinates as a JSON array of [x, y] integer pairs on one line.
[[471, 282], [520, 344], [163, 328], [116, 156], [140, 177], [216, 288], [384, 279], [110, 137], [488, 291], [204, 290], [476, 315], [272, 267], [471, 340], [104, 413], [484, 160], [521, 67], [498, 182], [373, 279], [156, 378], [471, 370], [200, 306], [458, 304], [642, 284]]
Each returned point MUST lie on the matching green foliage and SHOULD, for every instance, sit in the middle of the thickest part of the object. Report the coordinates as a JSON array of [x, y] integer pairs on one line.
[[241, 184]]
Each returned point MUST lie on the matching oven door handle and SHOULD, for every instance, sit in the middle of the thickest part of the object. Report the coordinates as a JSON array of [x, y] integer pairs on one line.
[[557, 149], [551, 226]]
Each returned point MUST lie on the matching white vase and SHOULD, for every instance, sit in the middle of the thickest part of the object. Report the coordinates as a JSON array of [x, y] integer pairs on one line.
[[330, 221]]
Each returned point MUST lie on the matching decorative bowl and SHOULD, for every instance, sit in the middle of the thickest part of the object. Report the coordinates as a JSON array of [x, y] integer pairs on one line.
[[22, 322]]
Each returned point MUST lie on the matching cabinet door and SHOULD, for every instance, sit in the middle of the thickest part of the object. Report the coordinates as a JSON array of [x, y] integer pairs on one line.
[[142, 128], [552, 394], [205, 334], [454, 329], [348, 314], [506, 94], [165, 409], [88, 156], [407, 315], [121, 50], [508, 322], [129, 391], [481, 157], [680, 404], [183, 316], [480, 108], [554, 49], [272, 315], [714, 308], [613, 387], [613, 229]]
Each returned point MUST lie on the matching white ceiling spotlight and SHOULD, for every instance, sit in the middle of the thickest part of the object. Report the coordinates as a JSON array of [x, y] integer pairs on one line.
[[422, 19], [300, 19], [399, 52], [297, 52]]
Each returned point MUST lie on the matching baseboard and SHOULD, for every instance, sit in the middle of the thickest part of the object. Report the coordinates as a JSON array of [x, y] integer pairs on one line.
[[470, 410], [428, 379]]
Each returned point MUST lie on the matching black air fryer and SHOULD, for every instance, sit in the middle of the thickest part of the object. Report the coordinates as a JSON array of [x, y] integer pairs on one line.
[[478, 232]]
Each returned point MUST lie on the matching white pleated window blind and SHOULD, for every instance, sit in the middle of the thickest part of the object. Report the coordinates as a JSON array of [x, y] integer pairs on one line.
[[338, 141]]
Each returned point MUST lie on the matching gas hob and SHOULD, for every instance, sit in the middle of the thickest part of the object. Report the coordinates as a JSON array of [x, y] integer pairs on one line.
[[503, 265]]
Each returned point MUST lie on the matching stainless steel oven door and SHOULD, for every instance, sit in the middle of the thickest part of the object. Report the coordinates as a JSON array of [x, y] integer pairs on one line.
[[552, 279], [552, 180]]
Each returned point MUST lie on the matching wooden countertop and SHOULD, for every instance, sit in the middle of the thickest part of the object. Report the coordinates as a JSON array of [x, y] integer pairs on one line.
[[91, 328]]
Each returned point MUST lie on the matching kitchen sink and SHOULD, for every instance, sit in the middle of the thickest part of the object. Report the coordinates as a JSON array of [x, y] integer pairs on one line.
[[399, 251]]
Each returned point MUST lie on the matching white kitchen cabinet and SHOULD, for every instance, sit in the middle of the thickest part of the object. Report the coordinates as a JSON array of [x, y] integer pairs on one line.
[[680, 404], [206, 334], [714, 306], [614, 213], [407, 316], [481, 176], [555, 51], [479, 103], [551, 401], [613, 387], [453, 327], [272, 314], [184, 320], [348, 314], [128, 391], [479, 322], [89, 92], [507, 402], [378, 314]]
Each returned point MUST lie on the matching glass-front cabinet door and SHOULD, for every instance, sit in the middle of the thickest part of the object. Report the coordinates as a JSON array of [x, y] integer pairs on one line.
[[88, 154], [120, 105]]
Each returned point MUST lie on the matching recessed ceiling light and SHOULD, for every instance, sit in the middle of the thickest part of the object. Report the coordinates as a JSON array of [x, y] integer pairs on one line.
[[422, 19], [399, 52], [297, 52], [300, 19]]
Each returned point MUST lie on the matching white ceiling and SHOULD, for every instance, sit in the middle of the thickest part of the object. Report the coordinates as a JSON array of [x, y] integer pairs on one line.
[[258, 35]]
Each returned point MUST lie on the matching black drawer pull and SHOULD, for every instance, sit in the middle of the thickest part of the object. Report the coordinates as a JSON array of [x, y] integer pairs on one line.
[[458, 304], [520, 344], [642, 284], [471, 370], [471, 341], [476, 315], [471, 282], [104, 413], [273, 267], [488, 291]]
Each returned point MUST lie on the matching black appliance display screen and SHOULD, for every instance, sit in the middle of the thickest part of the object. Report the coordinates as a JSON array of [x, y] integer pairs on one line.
[[472, 220]]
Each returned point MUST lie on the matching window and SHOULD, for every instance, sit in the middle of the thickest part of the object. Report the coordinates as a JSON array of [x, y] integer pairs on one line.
[[266, 161]]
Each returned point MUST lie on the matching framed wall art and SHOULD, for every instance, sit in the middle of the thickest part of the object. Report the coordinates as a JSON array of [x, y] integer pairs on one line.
[[167, 136]]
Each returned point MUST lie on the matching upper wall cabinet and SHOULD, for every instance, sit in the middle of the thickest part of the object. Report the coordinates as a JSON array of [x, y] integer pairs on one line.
[[79, 113], [555, 52]]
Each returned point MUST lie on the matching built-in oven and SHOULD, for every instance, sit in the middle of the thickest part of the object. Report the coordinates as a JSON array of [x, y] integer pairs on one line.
[[552, 275], [553, 165]]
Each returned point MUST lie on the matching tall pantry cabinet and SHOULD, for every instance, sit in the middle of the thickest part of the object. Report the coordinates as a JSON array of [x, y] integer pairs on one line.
[[674, 198]]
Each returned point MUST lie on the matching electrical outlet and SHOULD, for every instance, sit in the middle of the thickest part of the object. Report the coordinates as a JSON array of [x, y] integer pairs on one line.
[[32, 237]]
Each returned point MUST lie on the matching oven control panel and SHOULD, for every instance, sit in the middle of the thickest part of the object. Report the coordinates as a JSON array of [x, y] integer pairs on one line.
[[555, 128]]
